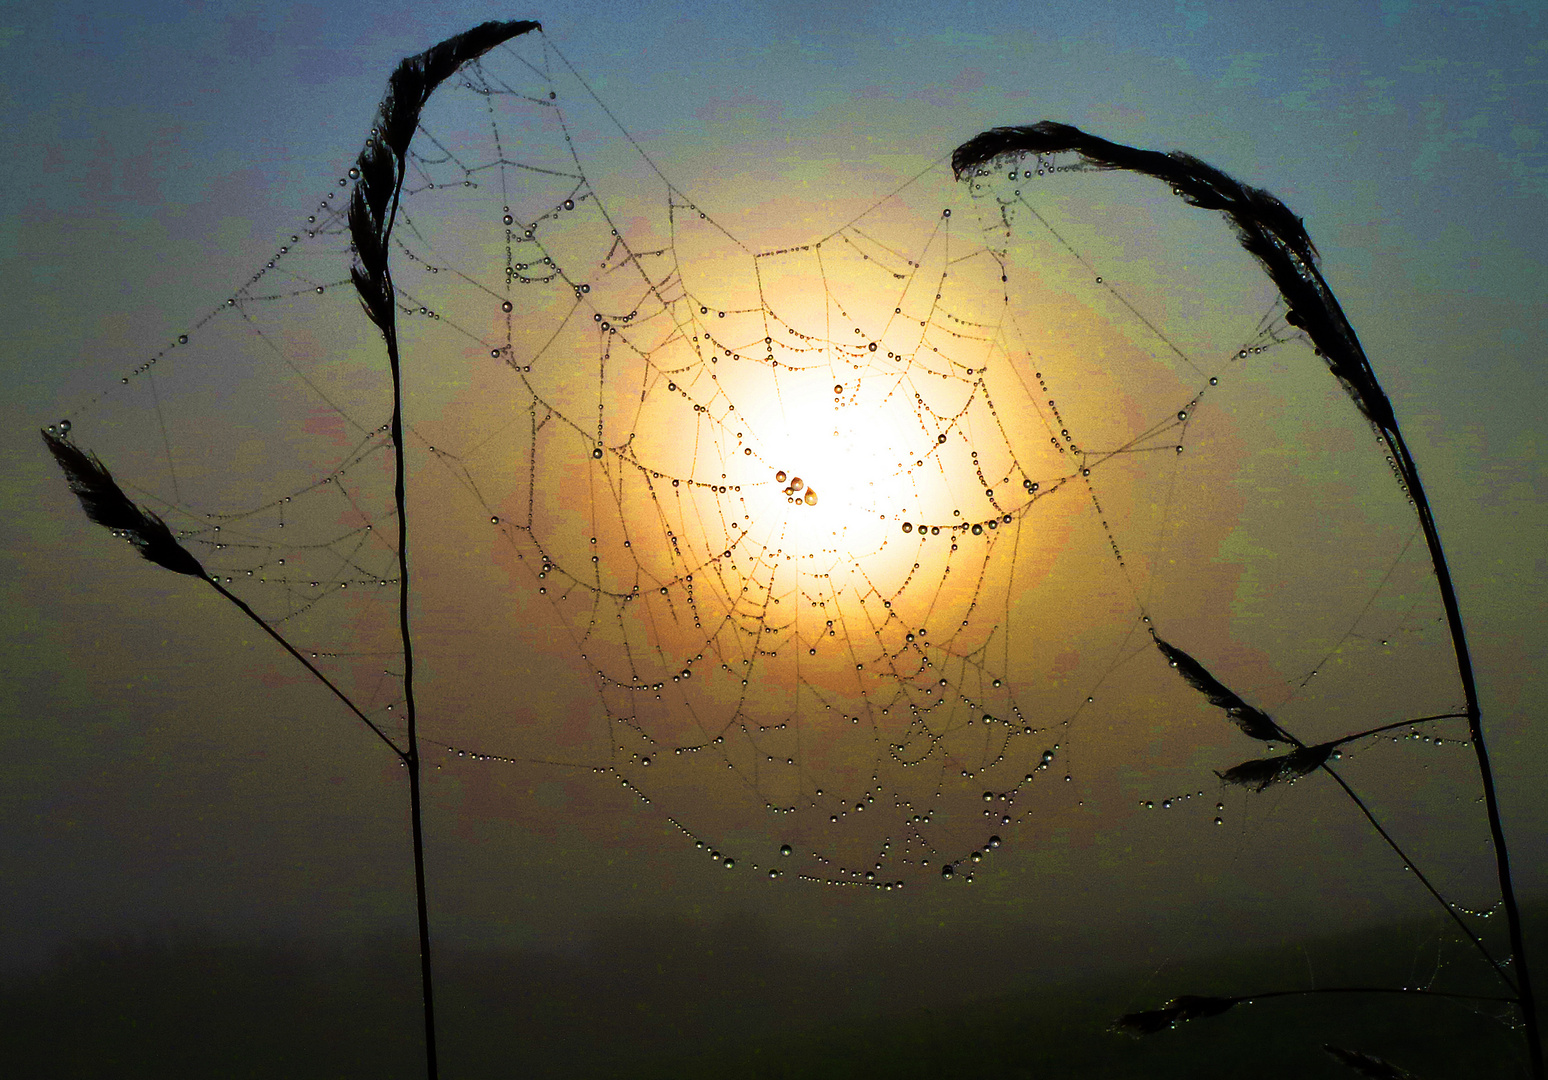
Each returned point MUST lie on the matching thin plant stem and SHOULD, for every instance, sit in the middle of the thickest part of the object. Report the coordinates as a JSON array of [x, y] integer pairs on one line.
[[267, 629], [1408, 862], [1414, 867], [1448, 593], [1276, 238], [411, 758], [1395, 726], [371, 222], [1314, 290]]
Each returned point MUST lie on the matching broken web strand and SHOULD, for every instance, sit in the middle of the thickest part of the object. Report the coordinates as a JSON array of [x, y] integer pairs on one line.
[[577, 326]]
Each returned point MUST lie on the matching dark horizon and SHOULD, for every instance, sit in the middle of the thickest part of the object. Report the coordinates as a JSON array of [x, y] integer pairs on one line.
[[669, 997]]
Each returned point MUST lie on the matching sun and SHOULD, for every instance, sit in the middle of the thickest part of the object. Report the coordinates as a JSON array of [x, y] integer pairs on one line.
[[830, 461]]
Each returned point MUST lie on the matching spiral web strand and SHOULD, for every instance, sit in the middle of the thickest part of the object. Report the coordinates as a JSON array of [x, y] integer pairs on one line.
[[839, 549]]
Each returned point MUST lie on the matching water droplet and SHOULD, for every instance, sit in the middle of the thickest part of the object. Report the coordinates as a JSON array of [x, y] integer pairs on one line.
[[795, 483], [811, 497], [978, 530], [784, 849], [354, 174], [569, 204], [948, 870], [596, 452], [64, 427], [994, 841], [506, 306], [645, 761], [907, 527], [779, 477], [730, 864], [838, 389], [182, 339]]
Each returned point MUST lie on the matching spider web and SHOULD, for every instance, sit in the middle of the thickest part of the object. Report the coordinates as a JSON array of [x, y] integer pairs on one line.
[[840, 548]]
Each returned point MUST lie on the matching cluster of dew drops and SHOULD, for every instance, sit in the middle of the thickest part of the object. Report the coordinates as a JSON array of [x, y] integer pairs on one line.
[[793, 489], [1176, 801]]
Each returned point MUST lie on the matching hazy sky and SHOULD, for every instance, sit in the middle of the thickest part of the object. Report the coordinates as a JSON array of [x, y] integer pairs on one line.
[[159, 151]]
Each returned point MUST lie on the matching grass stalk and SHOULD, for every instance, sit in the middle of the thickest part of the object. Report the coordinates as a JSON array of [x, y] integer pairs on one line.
[[1448, 593], [1274, 236], [411, 754], [373, 211]]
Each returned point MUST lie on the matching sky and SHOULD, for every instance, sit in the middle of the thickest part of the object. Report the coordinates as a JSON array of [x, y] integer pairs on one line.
[[161, 769]]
